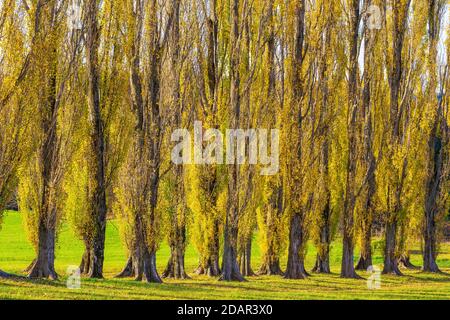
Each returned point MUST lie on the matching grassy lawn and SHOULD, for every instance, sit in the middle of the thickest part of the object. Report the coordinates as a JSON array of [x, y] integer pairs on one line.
[[16, 254]]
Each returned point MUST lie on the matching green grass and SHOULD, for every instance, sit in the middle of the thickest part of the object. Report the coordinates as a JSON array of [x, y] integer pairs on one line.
[[16, 254]]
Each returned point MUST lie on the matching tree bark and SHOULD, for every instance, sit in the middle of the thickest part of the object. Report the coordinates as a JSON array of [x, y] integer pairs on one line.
[[44, 265], [347, 268], [209, 264], [296, 256], [322, 264], [97, 145], [245, 255], [390, 256], [365, 258], [437, 161], [406, 263], [230, 267], [271, 257], [369, 162]]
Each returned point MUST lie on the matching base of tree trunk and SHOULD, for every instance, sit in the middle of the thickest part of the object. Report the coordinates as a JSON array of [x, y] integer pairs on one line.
[[211, 268], [430, 267], [90, 265], [42, 270], [230, 267], [295, 268], [297, 273], [149, 272], [175, 269], [200, 270], [234, 276], [245, 260], [270, 268], [322, 265], [406, 263], [128, 270], [392, 268], [247, 272], [429, 258], [347, 267], [363, 263], [28, 269]]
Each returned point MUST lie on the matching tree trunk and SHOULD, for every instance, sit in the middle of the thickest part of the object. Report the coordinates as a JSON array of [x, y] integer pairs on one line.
[[368, 160], [365, 258], [97, 145], [245, 258], [44, 266], [230, 267], [438, 150], [144, 259], [296, 265], [210, 265], [322, 264], [390, 258], [175, 266], [128, 270], [348, 268], [430, 244], [270, 265], [406, 263]]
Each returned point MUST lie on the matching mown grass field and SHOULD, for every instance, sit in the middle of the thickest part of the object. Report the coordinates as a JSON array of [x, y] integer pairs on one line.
[[16, 254]]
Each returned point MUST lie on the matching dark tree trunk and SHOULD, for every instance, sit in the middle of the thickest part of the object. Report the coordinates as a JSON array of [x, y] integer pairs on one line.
[[230, 267], [128, 270], [365, 258], [390, 257], [144, 259], [85, 259], [245, 259], [369, 162], [270, 266], [97, 145], [430, 243], [177, 240], [438, 153], [348, 269], [322, 264], [296, 265], [433, 193], [406, 263], [271, 261], [44, 265], [175, 266], [430, 250]]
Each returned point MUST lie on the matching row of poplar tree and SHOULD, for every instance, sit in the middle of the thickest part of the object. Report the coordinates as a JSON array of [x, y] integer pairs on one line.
[[357, 88]]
